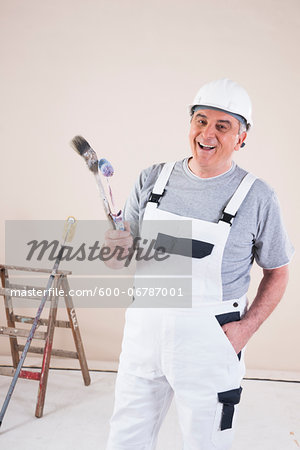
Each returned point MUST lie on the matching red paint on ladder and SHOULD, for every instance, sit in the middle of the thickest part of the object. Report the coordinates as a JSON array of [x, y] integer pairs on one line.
[[47, 353], [30, 375]]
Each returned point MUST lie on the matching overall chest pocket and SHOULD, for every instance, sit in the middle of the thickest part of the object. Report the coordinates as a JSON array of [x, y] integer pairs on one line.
[[183, 246]]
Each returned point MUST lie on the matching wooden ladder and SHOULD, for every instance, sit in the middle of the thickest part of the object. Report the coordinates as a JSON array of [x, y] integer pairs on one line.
[[10, 291]]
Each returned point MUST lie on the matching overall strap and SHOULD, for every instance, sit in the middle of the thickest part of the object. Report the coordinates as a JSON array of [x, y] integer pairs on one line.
[[237, 199], [160, 184]]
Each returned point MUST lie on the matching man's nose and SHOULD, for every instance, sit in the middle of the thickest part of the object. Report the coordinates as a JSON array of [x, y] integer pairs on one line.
[[208, 132]]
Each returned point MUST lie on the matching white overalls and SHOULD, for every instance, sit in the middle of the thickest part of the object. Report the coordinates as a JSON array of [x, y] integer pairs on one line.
[[182, 351]]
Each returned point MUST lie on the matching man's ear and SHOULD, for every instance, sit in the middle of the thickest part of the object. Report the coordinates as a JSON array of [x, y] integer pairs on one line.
[[239, 140]]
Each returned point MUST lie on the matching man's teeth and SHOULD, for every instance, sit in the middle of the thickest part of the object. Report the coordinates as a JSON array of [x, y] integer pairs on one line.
[[206, 146]]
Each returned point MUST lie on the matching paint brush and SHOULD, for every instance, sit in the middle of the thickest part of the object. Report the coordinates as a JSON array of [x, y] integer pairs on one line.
[[81, 146]]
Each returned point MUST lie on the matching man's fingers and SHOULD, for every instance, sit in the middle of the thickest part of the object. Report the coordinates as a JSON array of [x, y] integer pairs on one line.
[[119, 238], [116, 234], [225, 328], [124, 243], [119, 242]]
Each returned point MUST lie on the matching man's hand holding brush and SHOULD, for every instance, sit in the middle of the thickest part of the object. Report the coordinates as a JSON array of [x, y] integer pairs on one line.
[[120, 244]]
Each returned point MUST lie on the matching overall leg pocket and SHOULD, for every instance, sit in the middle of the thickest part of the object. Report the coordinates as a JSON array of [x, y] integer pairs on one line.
[[233, 316], [223, 426], [228, 399]]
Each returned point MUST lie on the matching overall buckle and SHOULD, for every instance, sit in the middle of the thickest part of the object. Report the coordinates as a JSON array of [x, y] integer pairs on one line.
[[228, 218], [155, 198]]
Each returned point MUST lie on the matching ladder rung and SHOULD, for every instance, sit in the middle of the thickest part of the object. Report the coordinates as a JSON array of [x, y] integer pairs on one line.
[[30, 269], [30, 375], [27, 319], [7, 371], [17, 332], [55, 352], [10, 371]]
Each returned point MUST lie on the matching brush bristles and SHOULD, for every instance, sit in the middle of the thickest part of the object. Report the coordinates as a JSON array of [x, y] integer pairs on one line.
[[80, 145], [85, 150]]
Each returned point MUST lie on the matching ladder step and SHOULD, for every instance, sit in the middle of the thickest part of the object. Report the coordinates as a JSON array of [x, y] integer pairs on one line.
[[7, 371], [27, 319], [30, 269], [55, 352], [17, 332], [30, 375]]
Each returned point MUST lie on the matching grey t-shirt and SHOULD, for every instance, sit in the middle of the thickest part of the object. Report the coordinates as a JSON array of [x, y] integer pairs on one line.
[[257, 231]]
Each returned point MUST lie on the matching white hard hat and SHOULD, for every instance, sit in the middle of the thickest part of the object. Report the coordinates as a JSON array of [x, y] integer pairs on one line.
[[226, 95]]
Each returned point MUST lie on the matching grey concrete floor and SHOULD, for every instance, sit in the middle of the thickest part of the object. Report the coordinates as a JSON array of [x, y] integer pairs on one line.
[[76, 417]]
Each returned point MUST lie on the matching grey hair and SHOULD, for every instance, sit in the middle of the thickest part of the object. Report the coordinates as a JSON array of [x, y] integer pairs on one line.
[[243, 127]]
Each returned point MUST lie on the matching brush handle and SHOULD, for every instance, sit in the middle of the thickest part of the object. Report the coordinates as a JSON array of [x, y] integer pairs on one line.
[[117, 219], [100, 186], [103, 196]]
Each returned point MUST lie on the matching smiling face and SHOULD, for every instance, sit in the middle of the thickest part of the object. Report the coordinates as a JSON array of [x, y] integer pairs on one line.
[[214, 136]]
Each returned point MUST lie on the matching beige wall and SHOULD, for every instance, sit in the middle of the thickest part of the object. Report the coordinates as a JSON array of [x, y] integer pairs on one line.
[[122, 73]]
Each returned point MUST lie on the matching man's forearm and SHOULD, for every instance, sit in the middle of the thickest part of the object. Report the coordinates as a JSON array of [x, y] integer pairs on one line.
[[269, 294]]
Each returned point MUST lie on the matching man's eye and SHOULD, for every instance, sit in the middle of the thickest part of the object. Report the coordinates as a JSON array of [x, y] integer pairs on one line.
[[222, 127]]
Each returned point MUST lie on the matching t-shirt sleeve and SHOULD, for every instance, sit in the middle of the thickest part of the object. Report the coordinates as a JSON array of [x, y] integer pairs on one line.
[[136, 202], [272, 247], [131, 209]]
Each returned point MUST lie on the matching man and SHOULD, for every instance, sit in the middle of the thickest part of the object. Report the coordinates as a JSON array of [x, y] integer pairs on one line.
[[197, 353]]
